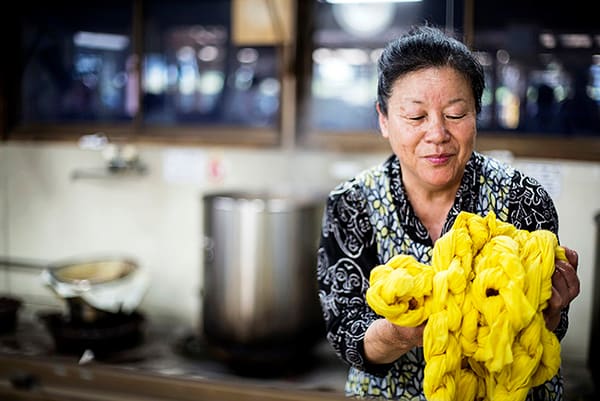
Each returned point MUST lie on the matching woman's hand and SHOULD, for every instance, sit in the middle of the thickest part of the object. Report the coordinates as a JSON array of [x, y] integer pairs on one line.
[[565, 288], [385, 342]]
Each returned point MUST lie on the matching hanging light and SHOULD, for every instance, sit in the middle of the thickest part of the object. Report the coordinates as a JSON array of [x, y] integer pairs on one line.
[[369, 1]]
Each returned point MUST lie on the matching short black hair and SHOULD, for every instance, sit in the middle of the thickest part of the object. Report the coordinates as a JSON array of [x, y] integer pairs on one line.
[[421, 47]]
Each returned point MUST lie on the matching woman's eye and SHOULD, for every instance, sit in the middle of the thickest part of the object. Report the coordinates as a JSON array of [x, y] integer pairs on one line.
[[416, 118], [455, 116]]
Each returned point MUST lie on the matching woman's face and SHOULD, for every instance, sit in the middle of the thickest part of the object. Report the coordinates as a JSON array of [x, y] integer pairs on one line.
[[431, 127]]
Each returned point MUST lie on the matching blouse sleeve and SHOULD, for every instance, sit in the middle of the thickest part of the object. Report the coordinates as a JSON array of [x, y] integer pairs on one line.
[[531, 208], [347, 253]]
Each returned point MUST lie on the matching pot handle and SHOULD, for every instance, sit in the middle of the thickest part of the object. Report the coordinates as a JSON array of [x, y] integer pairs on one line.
[[9, 263]]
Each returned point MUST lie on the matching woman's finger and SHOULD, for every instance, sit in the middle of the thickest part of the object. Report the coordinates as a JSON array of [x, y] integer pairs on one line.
[[560, 293], [552, 311], [572, 257], [566, 281]]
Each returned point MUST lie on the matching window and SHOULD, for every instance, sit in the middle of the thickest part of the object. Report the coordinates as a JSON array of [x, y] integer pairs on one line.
[[346, 42], [194, 74], [543, 72], [254, 71], [76, 65], [148, 68]]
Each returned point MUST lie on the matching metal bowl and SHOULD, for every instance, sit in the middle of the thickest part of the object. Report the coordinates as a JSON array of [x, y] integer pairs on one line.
[[76, 280], [86, 273]]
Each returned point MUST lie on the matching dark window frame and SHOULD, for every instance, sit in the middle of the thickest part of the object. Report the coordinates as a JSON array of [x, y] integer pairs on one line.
[[290, 133]]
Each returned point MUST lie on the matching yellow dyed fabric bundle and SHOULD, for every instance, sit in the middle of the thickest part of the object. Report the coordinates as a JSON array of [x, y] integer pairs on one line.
[[482, 298]]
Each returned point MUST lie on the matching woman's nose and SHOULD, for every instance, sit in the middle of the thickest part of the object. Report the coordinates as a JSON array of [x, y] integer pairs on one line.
[[436, 130]]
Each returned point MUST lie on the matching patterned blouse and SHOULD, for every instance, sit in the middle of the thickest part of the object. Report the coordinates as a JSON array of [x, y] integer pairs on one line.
[[367, 220]]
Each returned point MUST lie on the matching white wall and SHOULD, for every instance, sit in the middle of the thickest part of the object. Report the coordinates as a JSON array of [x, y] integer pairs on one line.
[[46, 215], [575, 187]]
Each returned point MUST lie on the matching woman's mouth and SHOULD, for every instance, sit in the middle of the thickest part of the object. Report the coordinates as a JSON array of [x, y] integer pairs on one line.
[[438, 159]]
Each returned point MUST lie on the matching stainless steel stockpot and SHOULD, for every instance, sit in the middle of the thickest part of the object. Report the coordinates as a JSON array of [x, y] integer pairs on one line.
[[260, 292]]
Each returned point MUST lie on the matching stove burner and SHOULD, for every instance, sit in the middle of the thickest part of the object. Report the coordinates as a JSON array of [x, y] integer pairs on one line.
[[250, 361], [8, 313], [113, 332]]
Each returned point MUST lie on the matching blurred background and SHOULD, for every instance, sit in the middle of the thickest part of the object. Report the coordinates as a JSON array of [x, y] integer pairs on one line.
[[118, 119]]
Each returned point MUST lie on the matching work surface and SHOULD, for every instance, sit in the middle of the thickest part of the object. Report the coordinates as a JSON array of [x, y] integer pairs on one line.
[[170, 364]]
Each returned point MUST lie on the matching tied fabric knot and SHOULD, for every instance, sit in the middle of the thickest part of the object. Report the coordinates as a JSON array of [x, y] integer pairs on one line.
[[404, 291], [482, 299]]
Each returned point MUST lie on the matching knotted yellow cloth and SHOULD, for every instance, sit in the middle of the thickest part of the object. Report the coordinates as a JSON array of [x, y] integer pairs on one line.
[[482, 298]]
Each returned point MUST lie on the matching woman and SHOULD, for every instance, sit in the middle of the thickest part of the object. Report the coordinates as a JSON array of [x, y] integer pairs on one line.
[[428, 97]]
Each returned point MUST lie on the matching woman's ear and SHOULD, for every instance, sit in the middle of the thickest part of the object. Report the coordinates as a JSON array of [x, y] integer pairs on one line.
[[382, 118]]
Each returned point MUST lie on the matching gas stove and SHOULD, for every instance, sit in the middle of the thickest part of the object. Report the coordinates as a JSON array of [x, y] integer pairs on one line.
[[165, 362]]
